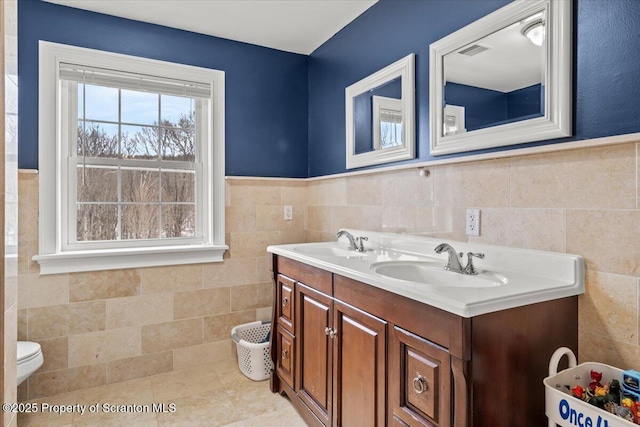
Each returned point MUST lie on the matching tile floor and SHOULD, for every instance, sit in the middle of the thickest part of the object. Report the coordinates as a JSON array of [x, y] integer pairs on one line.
[[210, 395]]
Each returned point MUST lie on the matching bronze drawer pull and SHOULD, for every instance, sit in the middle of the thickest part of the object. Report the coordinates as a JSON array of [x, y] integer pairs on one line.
[[285, 354], [419, 384], [285, 301]]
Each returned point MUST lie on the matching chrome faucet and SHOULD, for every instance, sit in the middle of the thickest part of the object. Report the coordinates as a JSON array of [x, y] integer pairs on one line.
[[355, 243], [453, 264]]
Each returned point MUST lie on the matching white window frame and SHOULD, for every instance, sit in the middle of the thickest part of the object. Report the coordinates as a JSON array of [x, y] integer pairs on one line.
[[56, 254], [381, 103]]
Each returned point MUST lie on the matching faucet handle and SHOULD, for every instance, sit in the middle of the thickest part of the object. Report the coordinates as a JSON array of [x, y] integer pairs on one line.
[[360, 244], [470, 269]]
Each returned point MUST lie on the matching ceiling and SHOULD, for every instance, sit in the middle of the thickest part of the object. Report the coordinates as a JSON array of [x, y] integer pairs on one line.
[[298, 26], [510, 62]]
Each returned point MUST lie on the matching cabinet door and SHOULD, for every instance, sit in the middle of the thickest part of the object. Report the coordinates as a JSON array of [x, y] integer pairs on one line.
[[420, 380], [359, 397], [313, 381], [285, 303], [286, 355]]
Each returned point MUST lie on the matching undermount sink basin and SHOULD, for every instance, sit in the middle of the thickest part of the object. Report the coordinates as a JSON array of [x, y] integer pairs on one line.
[[432, 273], [329, 251]]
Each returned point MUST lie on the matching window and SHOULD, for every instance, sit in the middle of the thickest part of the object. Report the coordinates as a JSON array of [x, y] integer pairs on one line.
[[131, 161], [387, 122]]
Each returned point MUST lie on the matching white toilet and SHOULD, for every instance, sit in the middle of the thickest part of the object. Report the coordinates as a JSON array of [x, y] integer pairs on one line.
[[30, 358]]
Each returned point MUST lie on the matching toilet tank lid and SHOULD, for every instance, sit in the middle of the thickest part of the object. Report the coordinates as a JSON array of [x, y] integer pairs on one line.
[[27, 349]]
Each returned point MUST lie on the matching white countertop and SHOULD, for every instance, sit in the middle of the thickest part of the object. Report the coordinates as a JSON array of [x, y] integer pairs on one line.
[[531, 276]]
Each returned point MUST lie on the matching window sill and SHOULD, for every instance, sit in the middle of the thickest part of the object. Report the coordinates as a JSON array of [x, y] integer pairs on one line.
[[95, 260]]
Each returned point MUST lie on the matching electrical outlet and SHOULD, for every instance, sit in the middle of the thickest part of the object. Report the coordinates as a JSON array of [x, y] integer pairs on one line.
[[473, 222], [288, 213]]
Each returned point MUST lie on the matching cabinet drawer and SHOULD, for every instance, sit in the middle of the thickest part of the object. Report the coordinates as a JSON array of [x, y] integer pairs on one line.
[[420, 375], [421, 382], [285, 302], [285, 356]]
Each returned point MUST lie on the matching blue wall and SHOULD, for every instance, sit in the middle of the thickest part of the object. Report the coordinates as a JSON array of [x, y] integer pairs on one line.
[[285, 112], [527, 101], [606, 69], [486, 107], [266, 89], [481, 106]]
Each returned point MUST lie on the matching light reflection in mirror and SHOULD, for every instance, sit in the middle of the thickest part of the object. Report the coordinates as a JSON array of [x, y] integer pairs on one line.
[[380, 116], [497, 79], [370, 109], [387, 122]]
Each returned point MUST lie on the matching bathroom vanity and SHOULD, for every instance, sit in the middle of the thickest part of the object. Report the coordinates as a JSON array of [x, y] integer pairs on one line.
[[352, 346]]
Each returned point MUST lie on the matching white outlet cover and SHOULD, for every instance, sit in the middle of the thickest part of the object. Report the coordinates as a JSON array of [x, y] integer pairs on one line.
[[473, 222], [288, 213]]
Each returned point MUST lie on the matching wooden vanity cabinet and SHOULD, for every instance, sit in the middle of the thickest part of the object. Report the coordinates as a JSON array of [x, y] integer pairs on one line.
[[284, 314], [419, 380], [286, 357], [314, 381], [285, 302], [359, 367], [362, 356], [342, 361], [340, 354]]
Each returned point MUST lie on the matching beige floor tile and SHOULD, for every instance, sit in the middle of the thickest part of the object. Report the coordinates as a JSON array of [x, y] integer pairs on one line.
[[133, 392], [216, 394], [212, 409], [46, 424], [254, 399], [127, 419], [49, 419], [136, 391], [184, 382], [229, 373], [284, 417]]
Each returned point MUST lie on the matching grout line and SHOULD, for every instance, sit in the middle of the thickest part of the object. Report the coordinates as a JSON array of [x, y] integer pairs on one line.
[[509, 182], [636, 177], [564, 211]]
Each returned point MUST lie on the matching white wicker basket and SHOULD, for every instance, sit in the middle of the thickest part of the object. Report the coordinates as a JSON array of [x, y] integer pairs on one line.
[[254, 356]]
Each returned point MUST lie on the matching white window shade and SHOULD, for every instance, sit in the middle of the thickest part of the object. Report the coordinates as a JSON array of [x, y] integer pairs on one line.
[[133, 81], [189, 152], [390, 116]]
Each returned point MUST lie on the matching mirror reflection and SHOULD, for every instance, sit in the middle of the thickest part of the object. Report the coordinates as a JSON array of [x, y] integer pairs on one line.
[[378, 118], [497, 79]]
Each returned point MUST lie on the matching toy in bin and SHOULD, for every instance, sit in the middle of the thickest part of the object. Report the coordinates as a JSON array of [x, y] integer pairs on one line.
[[607, 397], [631, 381], [591, 394]]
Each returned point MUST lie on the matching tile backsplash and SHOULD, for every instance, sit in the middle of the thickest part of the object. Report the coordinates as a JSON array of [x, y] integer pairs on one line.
[[110, 326], [584, 201]]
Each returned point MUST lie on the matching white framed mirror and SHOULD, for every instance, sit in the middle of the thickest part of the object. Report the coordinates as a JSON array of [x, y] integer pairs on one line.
[[504, 79], [380, 116]]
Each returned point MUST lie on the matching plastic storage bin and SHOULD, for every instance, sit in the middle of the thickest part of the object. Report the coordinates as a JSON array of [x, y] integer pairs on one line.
[[252, 345], [567, 411]]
